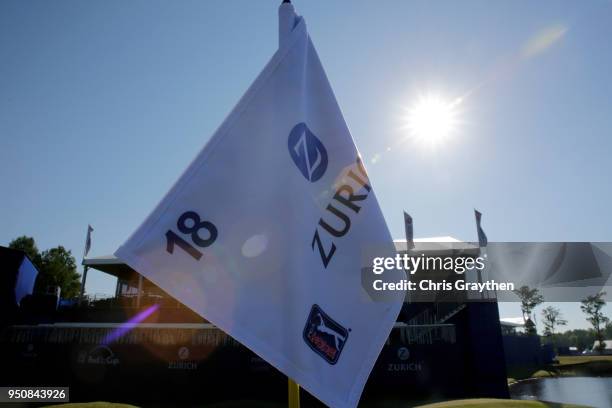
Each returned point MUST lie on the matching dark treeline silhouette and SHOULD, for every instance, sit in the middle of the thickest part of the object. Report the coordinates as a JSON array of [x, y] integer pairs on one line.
[[56, 267]]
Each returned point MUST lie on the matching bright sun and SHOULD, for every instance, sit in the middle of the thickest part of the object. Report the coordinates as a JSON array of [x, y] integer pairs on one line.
[[432, 119]]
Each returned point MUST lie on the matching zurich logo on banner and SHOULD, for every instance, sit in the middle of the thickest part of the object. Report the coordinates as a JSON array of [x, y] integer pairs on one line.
[[325, 336], [307, 152]]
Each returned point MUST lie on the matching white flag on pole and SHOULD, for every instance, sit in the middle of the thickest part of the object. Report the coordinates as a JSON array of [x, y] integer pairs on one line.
[[408, 226], [88, 241], [263, 233], [482, 237]]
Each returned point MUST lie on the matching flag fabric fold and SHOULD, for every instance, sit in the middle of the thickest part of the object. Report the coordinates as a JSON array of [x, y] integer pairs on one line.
[[263, 233]]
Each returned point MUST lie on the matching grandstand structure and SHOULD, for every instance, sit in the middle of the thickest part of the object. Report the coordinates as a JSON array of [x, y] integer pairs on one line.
[[141, 334]]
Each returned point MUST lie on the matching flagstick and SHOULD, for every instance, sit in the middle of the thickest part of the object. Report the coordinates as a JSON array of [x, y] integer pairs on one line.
[[480, 232], [84, 279], [294, 394], [286, 21]]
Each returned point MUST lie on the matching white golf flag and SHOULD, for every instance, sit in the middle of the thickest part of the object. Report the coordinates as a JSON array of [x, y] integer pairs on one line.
[[263, 233]]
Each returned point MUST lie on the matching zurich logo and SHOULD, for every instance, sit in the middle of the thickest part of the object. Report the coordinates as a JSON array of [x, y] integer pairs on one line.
[[307, 152], [324, 336], [403, 353]]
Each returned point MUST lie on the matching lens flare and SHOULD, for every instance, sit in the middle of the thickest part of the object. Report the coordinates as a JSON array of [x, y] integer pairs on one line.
[[124, 328]]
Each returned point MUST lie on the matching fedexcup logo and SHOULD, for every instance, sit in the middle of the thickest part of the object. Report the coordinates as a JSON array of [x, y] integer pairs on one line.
[[307, 152]]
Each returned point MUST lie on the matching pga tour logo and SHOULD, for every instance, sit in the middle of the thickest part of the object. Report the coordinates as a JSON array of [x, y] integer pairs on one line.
[[324, 336], [307, 152]]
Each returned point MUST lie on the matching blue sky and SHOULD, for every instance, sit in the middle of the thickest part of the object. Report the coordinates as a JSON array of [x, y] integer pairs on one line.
[[103, 104]]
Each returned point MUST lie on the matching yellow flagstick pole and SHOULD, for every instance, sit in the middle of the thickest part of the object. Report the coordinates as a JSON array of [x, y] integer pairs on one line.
[[294, 394]]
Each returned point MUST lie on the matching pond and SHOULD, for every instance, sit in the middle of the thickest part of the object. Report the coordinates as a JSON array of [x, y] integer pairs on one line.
[[590, 391]]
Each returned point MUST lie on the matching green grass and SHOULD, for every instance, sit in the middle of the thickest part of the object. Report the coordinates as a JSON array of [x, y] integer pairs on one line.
[[97, 404], [590, 366], [568, 366], [249, 404], [544, 374], [466, 403], [565, 360], [225, 404], [489, 402]]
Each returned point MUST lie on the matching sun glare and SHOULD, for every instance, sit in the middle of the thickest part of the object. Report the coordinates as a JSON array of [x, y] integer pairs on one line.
[[432, 119]]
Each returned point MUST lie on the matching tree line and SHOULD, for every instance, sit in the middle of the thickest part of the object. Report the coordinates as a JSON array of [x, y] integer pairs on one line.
[[56, 267], [552, 319]]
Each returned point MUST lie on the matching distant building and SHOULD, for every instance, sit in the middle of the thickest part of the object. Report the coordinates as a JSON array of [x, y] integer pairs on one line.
[[607, 347], [512, 325]]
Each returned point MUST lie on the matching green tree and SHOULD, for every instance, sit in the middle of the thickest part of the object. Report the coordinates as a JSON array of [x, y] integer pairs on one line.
[[580, 338], [552, 318], [530, 298], [58, 268], [27, 245], [591, 306], [530, 327], [608, 331]]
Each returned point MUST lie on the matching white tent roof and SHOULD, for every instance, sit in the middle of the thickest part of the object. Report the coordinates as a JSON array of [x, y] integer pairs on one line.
[[443, 243], [512, 321]]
